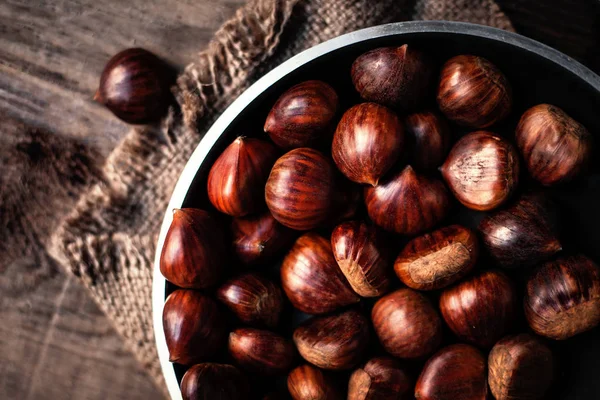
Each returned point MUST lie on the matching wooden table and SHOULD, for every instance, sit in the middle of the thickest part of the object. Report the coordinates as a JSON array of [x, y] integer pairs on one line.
[[54, 342]]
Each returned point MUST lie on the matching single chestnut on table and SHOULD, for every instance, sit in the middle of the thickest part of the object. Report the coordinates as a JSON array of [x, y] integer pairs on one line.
[[193, 253], [261, 351], [358, 250], [310, 383], [367, 142], [428, 135], [520, 367], [456, 372], [236, 180], [562, 298], [523, 234], [254, 299], [303, 116], [482, 170], [473, 92], [407, 203], [312, 279], [406, 324], [135, 86], [214, 381], [300, 189], [193, 325], [556, 148], [333, 342], [381, 378], [480, 310], [438, 259], [397, 77]]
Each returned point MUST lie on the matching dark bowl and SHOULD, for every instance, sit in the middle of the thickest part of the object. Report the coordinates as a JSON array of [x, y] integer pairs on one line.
[[538, 73]]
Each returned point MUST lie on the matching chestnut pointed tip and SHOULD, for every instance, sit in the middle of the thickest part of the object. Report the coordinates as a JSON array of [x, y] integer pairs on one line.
[[98, 97]]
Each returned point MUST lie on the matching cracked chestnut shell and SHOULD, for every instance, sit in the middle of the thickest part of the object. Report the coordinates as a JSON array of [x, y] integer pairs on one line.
[[214, 381], [473, 92], [333, 342], [429, 138], [556, 148], [381, 378], [407, 202], [303, 115], [562, 298], [261, 351], [438, 259], [520, 367], [482, 170], [310, 383]]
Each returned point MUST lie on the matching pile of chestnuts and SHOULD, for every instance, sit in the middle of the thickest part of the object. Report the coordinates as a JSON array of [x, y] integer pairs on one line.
[[330, 258]]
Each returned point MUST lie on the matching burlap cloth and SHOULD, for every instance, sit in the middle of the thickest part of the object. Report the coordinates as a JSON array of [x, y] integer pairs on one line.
[[108, 239]]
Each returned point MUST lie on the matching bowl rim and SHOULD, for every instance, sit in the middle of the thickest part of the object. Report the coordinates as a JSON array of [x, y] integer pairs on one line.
[[279, 72]]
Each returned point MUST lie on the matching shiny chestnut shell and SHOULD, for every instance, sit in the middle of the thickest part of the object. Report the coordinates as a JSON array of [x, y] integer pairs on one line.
[[438, 259], [428, 137], [214, 381], [261, 351], [381, 378], [310, 383]]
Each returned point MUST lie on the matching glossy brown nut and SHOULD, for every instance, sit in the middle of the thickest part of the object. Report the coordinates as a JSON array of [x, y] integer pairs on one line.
[[333, 342], [480, 310], [521, 235], [456, 372], [261, 351], [193, 254], [407, 203], [254, 299], [473, 92], [562, 298], [381, 378], [259, 238], [237, 179], [193, 326], [367, 142], [556, 148], [393, 76], [482, 170], [358, 250], [300, 189], [429, 138], [303, 115], [310, 383], [134, 86], [520, 367], [406, 324], [438, 259], [311, 278], [214, 381]]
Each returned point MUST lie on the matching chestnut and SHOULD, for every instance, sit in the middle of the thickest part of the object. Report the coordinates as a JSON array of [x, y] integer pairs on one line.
[[193, 254], [303, 115], [520, 367], [480, 310], [135, 86], [393, 76], [562, 298], [556, 148], [333, 342], [194, 329], [429, 137], [300, 189], [346, 200], [357, 248], [521, 235], [473, 92], [254, 299], [406, 324], [367, 142], [214, 381], [310, 383], [455, 372], [437, 259], [258, 238], [236, 180], [381, 378], [482, 170], [261, 351], [311, 278], [407, 203]]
